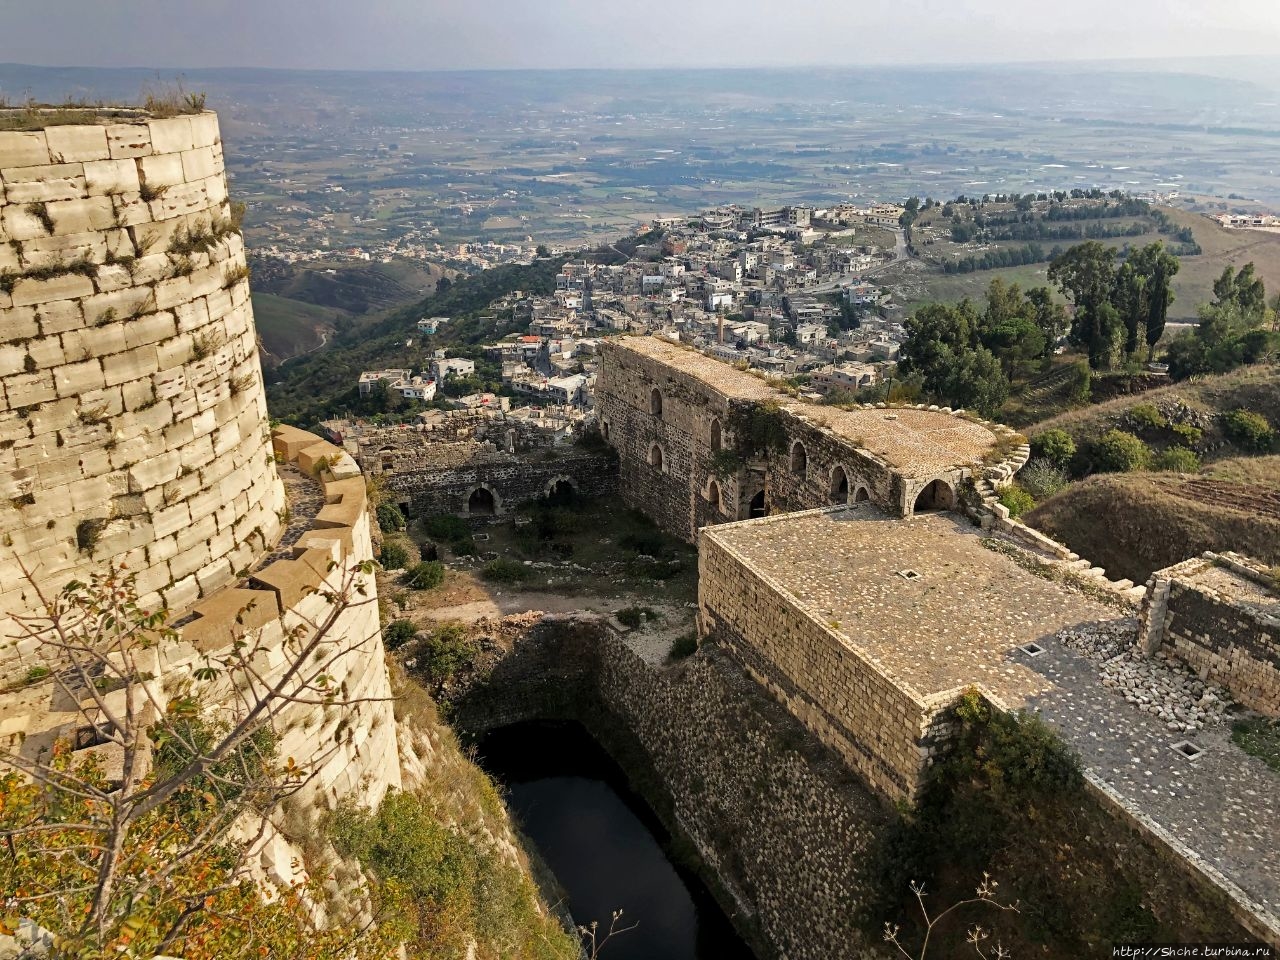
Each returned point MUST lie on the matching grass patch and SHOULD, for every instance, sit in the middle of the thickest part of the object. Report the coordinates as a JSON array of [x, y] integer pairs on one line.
[[502, 570], [1259, 737]]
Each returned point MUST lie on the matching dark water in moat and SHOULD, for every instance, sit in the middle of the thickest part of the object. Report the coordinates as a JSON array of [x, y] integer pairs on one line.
[[605, 846]]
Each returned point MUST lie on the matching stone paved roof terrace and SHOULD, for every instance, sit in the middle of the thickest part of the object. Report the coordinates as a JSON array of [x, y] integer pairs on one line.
[[919, 443], [962, 622]]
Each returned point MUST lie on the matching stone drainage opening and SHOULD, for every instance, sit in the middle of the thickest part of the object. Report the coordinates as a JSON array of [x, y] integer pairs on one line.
[[908, 575], [1032, 649], [480, 536], [1188, 749]]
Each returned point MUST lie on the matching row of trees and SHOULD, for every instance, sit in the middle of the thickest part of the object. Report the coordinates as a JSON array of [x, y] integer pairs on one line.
[[1240, 326], [969, 356], [1120, 308]]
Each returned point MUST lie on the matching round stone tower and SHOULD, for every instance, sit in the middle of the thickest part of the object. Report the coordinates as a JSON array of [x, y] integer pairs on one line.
[[133, 422]]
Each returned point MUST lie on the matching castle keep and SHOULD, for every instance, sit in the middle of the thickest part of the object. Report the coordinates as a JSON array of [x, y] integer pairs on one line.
[[134, 433], [671, 414]]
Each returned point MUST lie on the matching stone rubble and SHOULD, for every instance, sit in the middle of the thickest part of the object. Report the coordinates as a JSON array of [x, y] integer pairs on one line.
[[1159, 685]]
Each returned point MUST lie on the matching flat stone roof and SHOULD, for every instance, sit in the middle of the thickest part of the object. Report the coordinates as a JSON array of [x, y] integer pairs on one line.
[[919, 443], [958, 623]]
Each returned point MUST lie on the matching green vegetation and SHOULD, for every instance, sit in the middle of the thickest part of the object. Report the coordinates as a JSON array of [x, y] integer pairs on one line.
[[758, 429], [1260, 737], [1248, 430], [632, 617], [443, 652], [683, 646], [424, 576], [397, 633], [451, 530], [503, 570], [1238, 328], [393, 556], [1042, 479], [444, 888], [1056, 446], [390, 518], [1177, 460], [1017, 500], [1118, 451]]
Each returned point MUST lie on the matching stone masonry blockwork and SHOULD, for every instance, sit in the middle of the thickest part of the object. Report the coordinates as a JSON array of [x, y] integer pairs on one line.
[[132, 416]]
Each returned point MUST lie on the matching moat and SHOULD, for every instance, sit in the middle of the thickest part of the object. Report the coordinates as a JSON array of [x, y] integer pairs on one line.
[[605, 847]]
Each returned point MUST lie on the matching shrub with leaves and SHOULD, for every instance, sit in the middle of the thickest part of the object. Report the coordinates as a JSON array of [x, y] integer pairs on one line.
[[445, 651], [393, 556], [502, 570], [1145, 415], [1118, 451], [397, 633], [1248, 430], [390, 518], [1042, 479], [1016, 500], [424, 576], [1056, 446], [1177, 460]]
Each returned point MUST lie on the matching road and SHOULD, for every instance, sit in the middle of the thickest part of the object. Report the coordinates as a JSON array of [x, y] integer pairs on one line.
[[899, 254]]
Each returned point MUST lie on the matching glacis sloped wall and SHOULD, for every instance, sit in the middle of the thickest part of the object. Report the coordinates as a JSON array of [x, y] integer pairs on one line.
[[132, 415]]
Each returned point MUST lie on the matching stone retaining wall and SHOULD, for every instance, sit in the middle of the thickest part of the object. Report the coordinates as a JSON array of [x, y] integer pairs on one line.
[[133, 417], [878, 726], [780, 826], [1220, 614]]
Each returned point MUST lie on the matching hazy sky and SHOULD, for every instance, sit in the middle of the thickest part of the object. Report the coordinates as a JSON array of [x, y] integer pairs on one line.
[[460, 34]]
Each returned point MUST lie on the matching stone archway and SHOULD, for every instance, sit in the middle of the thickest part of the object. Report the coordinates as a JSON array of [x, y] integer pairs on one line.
[[655, 457], [936, 495], [717, 436], [862, 495], [481, 503], [713, 495], [799, 459], [758, 507], [839, 485], [560, 492], [655, 402]]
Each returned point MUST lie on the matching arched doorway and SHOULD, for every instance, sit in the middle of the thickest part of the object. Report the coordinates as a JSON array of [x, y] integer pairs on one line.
[[937, 495], [799, 459], [717, 436], [560, 493], [839, 486], [655, 402], [481, 503], [861, 495], [757, 507]]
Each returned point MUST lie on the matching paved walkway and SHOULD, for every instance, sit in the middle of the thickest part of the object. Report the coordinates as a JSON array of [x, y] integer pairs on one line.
[[1224, 805]]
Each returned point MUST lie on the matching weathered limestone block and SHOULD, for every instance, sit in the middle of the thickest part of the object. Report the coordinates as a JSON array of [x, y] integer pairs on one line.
[[129, 140], [171, 135], [45, 183], [72, 143], [23, 148]]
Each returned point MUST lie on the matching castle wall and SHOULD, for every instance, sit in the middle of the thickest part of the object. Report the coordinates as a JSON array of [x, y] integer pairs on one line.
[[429, 488], [689, 490], [1220, 614], [875, 724], [132, 422]]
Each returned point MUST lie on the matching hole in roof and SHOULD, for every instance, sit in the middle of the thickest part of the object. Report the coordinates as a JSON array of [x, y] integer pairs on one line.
[[1032, 649], [1188, 749], [908, 575]]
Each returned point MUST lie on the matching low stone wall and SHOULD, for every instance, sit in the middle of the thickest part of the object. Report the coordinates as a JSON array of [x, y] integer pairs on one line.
[[509, 479], [1220, 614], [781, 827]]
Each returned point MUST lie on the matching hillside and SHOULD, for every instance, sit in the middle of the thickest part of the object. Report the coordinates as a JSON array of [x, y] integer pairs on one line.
[[311, 388], [1134, 524], [924, 280]]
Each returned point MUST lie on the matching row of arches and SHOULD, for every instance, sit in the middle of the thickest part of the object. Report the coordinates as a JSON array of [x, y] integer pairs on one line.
[[484, 501]]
